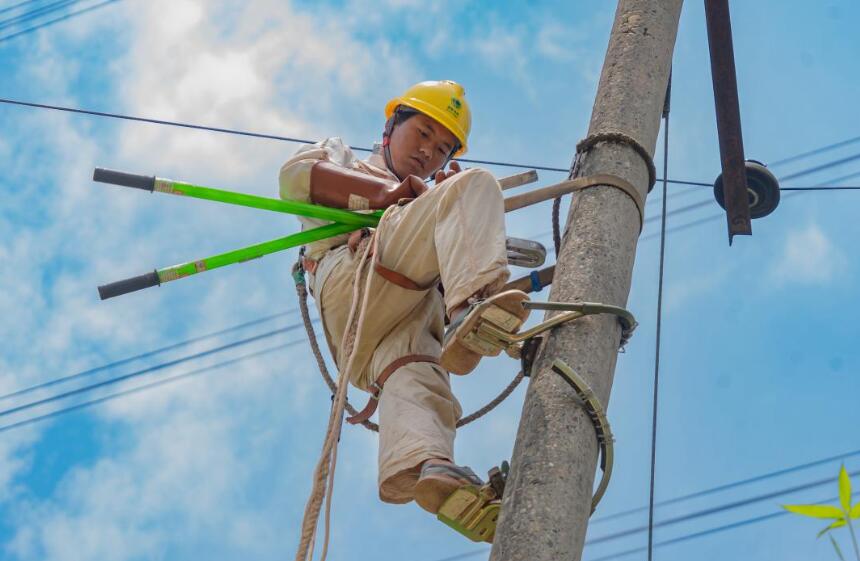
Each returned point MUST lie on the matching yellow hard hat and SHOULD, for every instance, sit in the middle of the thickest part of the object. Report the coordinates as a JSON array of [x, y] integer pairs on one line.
[[443, 101]]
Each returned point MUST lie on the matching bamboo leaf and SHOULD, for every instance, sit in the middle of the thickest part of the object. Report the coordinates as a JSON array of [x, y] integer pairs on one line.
[[816, 511], [837, 548], [838, 524], [855, 512], [844, 489]]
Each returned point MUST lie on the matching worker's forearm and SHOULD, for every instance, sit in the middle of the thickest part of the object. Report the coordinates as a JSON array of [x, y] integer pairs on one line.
[[335, 186]]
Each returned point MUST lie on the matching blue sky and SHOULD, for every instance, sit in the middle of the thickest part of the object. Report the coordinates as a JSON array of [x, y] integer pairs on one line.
[[759, 364]]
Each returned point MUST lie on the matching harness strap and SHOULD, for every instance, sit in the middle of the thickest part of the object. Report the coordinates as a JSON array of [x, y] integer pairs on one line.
[[373, 402], [309, 265], [392, 276]]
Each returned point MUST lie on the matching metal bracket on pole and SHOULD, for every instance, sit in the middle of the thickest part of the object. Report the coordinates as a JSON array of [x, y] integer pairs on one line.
[[734, 179]]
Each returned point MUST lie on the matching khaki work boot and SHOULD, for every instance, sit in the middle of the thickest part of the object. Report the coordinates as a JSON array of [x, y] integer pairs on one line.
[[464, 345], [439, 480]]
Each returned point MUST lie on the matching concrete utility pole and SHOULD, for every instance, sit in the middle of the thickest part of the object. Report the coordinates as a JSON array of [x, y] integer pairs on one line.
[[547, 499]]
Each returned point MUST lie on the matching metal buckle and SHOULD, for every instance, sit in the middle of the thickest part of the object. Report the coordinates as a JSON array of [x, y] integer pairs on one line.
[[525, 253]]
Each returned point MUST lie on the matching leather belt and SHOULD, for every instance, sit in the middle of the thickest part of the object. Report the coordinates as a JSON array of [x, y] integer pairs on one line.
[[373, 402]]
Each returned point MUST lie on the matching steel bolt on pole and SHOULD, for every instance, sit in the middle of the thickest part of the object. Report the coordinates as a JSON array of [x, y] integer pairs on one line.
[[547, 499]]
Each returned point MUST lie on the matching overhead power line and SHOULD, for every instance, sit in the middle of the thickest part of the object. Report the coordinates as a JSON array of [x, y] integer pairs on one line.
[[149, 386], [732, 485], [685, 537], [816, 151], [792, 192], [37, 13], [148, 370], [716, 509], [708, 532], [268, 136], [146, 354], [57, 20], [822, 167], [16, 6]]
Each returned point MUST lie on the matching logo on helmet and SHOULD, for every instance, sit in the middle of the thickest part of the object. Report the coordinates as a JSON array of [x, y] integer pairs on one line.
[[454, 106]]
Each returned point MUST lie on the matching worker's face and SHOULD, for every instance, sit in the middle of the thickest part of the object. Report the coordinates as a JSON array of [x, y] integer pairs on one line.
[[419, 146]]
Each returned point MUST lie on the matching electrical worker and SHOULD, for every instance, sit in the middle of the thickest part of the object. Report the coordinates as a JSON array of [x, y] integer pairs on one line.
[[453, 234]]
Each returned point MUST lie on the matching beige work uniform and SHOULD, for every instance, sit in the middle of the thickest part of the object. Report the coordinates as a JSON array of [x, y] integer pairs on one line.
[[454, 233]]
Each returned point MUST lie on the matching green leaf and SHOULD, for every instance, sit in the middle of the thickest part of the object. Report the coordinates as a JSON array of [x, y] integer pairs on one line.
[[844, 489], [837, 524], [837, 548], [855, 512], [816, 511]]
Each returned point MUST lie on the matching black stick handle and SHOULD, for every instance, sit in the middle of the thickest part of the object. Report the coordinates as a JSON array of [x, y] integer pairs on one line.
[[145, 182], [132, 284]]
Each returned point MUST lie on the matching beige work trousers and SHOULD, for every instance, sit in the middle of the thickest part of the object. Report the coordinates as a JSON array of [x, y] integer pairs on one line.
[[453, 233]]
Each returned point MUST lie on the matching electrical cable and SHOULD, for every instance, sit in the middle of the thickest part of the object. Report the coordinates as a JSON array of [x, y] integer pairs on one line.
[[732, 485], [715, 510], [710, 531], [37, 13], [659, 325], [816, 151], [149, 386], [267, 136], [148, 370], [18, 5], [796, 191], [822, 167], [57, 20], [146, 354]]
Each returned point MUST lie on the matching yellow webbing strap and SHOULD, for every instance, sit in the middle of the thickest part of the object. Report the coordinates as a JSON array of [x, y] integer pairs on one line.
[[598, 417], [578, 184]]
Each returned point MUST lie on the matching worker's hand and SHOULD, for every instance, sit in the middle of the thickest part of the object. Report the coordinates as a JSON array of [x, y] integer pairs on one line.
[[410, 188], [442, 175]]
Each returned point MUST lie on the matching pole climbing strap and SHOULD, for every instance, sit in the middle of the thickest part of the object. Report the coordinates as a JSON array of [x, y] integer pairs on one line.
[[376, 392], [578, 184], [589, 141]]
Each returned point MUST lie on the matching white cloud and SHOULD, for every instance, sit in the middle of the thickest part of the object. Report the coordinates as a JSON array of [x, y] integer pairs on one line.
[[808, 257], [191, 451]]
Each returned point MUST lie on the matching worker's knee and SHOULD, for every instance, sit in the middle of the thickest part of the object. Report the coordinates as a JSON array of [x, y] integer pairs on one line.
[[476, 181]]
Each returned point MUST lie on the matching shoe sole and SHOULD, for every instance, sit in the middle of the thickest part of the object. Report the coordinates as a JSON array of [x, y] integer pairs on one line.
[[432, 490]]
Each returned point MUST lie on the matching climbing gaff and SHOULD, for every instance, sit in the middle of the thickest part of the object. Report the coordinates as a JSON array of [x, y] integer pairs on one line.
[[512, 343], [597, 415], [473, 511], [762, 189]]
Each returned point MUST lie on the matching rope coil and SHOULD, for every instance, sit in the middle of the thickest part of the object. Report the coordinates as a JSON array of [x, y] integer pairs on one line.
[[584, 146]]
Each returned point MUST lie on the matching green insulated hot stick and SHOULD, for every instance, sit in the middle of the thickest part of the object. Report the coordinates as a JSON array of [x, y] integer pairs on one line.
[[343, 221]]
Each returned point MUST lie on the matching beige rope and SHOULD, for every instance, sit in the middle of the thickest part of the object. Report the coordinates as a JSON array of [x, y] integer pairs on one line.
[[302, 294], [324, 473], [589, 141]]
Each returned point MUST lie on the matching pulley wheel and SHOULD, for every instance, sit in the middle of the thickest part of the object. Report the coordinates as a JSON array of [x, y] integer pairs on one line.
[[762, 187]]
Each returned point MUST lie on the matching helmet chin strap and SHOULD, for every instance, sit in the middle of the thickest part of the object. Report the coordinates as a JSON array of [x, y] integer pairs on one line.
[[386, 149]]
